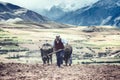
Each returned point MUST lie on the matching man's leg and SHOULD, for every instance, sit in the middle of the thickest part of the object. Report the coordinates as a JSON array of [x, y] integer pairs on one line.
[[58, 59], [61, 56]]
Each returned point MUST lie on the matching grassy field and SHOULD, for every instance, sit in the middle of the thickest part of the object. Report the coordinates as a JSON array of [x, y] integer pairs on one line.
[[20, 43]]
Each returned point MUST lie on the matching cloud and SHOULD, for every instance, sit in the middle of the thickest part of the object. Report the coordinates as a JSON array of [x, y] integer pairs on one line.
[[33, 3], [47, 4], [75, 4]]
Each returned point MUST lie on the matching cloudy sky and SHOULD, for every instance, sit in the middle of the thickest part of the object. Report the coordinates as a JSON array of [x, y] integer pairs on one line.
[[47, 4]]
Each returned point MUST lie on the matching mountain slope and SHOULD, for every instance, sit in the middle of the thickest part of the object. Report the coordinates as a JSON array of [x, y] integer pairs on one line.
[[104, 12], [10, 11]]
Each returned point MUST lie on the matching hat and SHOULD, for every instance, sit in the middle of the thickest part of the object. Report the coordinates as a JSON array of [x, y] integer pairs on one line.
[[57, 35]]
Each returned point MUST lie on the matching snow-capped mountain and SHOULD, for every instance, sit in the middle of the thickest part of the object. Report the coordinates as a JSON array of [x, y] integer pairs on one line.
[[103, 12], [11, 12], [54, 13]]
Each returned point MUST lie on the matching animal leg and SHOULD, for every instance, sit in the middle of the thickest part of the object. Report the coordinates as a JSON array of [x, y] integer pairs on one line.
[[51, 59], [66, 62], [48, 60]]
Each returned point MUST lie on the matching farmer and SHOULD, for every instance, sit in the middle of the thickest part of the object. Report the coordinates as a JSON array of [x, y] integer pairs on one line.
[[58, 46]]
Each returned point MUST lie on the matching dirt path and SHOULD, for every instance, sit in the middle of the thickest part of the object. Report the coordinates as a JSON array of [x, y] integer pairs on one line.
[[17, 71]]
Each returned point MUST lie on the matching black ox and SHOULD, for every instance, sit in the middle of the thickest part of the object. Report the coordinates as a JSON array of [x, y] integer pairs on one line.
[[68, 54], [45, 51]]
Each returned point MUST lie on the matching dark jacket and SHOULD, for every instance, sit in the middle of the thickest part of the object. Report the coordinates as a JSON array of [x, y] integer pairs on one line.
[[58, 44]]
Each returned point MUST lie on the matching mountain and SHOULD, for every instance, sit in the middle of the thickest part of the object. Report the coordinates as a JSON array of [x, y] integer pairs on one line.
[[103, 12], [10, 12], [54, 13]]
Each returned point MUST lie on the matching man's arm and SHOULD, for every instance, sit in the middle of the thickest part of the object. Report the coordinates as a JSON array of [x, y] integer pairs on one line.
[[53, 45], [64, 41]]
